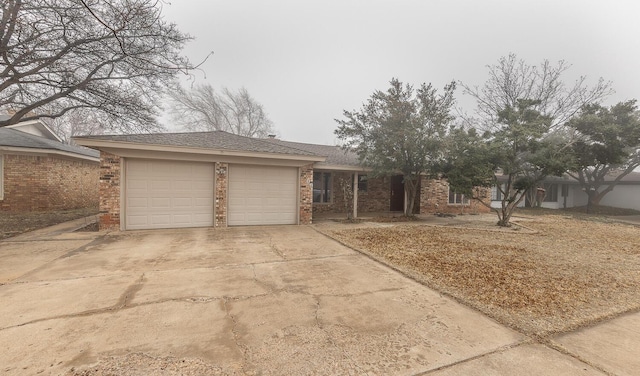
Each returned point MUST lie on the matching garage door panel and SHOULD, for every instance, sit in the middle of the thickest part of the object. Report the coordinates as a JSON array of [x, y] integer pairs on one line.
[[160, 220], [161, 202], [260, 195], [168, 194], [137, 184], [137, 202]]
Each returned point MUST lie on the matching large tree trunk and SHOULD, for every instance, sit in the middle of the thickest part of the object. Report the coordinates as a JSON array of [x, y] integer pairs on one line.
[[510, 201]]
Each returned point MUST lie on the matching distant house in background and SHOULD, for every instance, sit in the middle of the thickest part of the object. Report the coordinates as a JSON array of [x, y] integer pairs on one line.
[[565, 192], [38, 172]]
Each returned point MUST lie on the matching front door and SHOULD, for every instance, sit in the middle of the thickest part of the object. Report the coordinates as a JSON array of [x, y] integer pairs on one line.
[[397, 193]]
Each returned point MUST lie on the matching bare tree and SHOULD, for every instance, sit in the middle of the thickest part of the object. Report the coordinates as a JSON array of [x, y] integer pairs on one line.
[[115, 57], [512, 79], [85, 122], [201, 108]]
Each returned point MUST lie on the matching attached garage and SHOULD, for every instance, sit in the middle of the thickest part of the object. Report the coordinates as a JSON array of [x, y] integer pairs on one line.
[[168, 194], [262, 195], [202, 179]]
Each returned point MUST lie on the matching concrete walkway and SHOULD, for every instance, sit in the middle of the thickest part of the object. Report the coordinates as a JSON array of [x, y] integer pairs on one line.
[[281, 300]]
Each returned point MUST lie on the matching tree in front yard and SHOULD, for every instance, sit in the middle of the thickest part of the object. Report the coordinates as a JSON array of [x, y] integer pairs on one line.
[[400, 131], [520, 148], [521, 117], [607, 145]]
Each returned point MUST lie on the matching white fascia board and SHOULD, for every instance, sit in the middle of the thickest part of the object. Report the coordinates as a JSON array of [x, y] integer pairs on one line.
[[351, 168], [48, 152], [44, 128], [121, 145]]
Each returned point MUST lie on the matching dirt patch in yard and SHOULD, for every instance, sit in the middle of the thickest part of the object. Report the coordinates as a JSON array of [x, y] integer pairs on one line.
[[563, 274], [12, 224]]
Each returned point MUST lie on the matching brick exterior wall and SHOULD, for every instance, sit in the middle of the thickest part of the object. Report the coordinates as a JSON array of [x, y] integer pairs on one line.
[[374, 199], [110, 178], [48, 182], [306, 195], [434, 198], [221, 197]]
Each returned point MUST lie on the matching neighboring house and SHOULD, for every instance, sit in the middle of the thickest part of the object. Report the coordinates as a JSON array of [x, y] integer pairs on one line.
[[221, 179], [38, 172], [565, 192]]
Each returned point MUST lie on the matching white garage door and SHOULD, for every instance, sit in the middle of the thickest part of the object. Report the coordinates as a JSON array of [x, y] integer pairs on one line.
[[261, 195], [168, 194]]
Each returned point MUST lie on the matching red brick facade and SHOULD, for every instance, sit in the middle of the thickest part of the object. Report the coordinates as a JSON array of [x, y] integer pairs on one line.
[[434, 198], [374, 199], [306, 194], [433, 195], [110, 177], [220, 194], [48, 182]]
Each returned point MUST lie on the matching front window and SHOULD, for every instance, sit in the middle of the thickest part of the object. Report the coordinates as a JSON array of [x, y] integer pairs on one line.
[[457, 198], [321, 187], [496, 193], [362, 183], [551, 193]]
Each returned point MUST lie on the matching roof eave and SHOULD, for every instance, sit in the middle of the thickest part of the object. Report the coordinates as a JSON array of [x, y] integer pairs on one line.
[[21, 149], [339, 167], [103, 144]]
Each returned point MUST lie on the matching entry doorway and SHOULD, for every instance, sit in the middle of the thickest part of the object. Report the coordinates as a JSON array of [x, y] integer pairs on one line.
[[397, 193]]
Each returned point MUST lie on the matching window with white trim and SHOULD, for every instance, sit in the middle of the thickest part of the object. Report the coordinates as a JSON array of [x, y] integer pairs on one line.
[[496, 193], [457, 198], [551, 193], [362, 183], [321, 187]]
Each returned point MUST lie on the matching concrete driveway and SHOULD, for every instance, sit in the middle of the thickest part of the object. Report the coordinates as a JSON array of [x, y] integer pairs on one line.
[[281, 300]]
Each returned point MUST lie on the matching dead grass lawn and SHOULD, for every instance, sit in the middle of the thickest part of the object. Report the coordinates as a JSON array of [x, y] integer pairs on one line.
[[569, 273], [12, 224]]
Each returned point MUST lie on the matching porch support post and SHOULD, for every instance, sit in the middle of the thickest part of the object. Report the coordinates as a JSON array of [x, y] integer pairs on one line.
[[355, 195]]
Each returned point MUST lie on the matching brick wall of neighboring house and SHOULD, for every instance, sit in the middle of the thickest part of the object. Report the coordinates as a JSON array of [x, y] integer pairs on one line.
[[110, 177], [434, 198], [222, 172], [48, 182], [374, 199], [306, 194]]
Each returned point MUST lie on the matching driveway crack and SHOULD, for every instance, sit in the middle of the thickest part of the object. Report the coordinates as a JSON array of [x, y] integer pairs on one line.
[[234, 324]]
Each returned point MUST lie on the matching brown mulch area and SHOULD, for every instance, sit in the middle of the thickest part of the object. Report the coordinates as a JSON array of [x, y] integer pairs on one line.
[[568, 273], [12, 224]]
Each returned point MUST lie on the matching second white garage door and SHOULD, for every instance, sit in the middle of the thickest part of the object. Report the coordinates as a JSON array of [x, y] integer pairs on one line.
[[262, 195], [168, 194]]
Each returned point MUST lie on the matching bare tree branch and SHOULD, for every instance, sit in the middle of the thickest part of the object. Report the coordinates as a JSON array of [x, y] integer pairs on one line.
[[115, 57], [202, 109]]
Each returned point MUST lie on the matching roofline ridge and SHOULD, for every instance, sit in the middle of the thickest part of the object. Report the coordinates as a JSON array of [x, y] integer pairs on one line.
[[267, 141]]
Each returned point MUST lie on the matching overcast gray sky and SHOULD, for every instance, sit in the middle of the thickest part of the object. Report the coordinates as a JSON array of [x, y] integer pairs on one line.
[[307, 61]]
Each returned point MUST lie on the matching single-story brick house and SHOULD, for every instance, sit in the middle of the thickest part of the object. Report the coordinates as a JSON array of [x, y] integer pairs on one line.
[[38, 172], [220, 179]]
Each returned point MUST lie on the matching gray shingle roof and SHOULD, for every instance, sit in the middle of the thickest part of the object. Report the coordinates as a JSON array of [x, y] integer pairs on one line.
[[336, 155], [16, 138], [218, 140]]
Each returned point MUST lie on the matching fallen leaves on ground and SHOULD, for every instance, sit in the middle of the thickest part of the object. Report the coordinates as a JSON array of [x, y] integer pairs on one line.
[[569, 273]]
